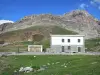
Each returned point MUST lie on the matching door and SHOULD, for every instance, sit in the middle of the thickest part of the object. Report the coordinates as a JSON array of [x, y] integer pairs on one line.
[[79, 49], [63, 49]]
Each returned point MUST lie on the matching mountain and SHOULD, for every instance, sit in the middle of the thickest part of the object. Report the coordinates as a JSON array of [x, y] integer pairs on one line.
[[79, 21]]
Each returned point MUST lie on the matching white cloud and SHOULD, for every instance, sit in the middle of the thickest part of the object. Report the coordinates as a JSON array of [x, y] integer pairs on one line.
[[5, 21], [99, 7], [83, 6], [95, 3], [92, 2]]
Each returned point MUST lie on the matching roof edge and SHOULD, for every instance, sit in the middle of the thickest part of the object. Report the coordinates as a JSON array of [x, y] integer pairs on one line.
[[67, 35]]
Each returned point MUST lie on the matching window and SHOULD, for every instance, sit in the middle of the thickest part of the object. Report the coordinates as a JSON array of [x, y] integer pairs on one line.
[[79, 40], [62, 40], [68, 40], [69, 47], [62, 48]]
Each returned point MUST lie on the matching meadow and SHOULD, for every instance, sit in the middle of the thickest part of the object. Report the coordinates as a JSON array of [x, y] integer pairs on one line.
[[57, 64]]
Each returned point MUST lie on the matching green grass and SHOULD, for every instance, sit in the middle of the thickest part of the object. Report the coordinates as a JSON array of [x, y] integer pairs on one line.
[[93, 44], [55, 30], [21, 46], [61, 31], [13, 49], [76, 65]]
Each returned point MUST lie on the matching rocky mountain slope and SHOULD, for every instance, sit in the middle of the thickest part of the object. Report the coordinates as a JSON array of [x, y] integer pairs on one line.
[[78, 20]]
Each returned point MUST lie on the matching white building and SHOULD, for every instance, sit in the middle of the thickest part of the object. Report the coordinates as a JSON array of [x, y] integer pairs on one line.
[[35, 48], [67, 43]]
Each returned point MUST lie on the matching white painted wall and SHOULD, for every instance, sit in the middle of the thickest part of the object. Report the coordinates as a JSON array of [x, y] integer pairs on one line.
[[57, 40], [29, 47]]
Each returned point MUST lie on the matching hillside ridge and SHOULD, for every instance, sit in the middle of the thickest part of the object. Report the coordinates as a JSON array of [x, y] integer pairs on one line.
[[79, 21]]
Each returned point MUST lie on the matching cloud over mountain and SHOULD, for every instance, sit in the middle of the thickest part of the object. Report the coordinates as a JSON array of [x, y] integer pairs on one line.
[[83, 6], [5, 21]]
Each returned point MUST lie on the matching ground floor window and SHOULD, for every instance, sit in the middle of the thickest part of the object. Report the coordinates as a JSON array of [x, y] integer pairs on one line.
[[79, 49], [69, 47], [63, 49]]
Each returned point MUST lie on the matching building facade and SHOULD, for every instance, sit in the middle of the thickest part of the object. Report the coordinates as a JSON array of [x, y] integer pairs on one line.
[[35, 48], [67, 43]]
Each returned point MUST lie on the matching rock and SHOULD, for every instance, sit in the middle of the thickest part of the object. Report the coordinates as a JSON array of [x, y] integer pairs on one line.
[[16, 72], [98, 22], [57, 62], [41, 69], [34, 56], [4, 55], [65, 66], [48, 63], [44, 65], [94, 62], [26, 69], [21, 69]]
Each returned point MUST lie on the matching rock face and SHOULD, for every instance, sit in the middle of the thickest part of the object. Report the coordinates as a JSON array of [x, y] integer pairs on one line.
[[84, 23], [79, 21], [3, 26]]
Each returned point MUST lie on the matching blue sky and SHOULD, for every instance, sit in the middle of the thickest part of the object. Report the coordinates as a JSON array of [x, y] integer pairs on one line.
[[16, 9]]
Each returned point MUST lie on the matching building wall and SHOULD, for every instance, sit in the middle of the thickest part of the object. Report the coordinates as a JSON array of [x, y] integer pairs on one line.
[[35, 48], [56, 43], [73, 41], [74, 48]]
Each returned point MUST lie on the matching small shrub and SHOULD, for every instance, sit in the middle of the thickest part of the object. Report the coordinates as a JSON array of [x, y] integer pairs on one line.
[[46, 44]]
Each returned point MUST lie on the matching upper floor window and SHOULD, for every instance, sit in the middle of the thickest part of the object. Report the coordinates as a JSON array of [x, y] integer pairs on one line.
[[79, 40], [62, 40], [68, 40]]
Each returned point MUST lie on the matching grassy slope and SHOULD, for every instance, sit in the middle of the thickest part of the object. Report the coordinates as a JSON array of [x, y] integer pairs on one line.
[[18, 34], [93, 44], [76, 65], [43, 29]]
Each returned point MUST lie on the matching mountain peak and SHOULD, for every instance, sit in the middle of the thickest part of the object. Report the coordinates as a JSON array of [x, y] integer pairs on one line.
[[75, 13]]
